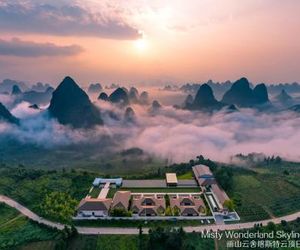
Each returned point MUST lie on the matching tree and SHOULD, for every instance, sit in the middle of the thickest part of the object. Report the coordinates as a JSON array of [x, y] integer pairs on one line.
[[58, 206], [278, 160], [176, 211], [224, 177], [271, 226], [202, 210], [229, 204], [167, 199], [60, 245], [168, 211], [141, 245], [285, 172], [166, 238]]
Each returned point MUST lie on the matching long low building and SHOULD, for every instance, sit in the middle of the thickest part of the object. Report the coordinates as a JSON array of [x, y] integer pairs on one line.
[[102, 181], [203, 175], [219, 194]]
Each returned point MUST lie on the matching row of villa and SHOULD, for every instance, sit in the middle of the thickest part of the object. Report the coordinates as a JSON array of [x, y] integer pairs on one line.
[[157, 204], [143, 204]]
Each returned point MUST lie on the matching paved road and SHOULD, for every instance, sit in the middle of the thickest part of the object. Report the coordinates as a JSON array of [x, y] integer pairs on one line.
[[25, 211], [104, 191], [118, 230]]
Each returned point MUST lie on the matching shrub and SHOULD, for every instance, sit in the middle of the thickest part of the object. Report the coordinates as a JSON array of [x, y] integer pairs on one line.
[[120, 212]]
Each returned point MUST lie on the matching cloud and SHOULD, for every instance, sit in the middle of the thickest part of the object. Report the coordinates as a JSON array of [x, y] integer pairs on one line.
[[67, 19], [17, 47], [180, 135], [23, 110], [176, 135], [6, 99]]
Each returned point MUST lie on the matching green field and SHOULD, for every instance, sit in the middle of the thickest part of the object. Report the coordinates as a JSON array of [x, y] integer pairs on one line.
[[16, 229], [32, 187], [266, 193]]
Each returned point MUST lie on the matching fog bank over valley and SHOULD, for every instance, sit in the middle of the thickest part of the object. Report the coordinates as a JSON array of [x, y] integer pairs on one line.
[[160, 128]]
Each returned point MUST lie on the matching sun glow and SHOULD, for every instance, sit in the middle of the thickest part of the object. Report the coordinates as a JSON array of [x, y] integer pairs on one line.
[[141, 45]]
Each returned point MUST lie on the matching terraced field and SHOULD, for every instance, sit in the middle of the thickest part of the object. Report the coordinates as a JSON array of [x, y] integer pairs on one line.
[[266, 194]]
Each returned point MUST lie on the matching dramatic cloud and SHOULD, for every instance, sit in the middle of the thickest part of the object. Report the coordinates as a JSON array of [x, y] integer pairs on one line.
[[66, 19], [17, 47]]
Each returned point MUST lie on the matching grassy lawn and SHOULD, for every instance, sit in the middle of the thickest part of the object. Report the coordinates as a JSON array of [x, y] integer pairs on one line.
[[111, 192], [187, 176], [95, 192]]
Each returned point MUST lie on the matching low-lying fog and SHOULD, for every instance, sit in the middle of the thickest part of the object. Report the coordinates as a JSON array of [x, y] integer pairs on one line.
[[174, 134]]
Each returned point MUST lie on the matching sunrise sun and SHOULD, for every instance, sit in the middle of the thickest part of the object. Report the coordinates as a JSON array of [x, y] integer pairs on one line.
[[141, 45]]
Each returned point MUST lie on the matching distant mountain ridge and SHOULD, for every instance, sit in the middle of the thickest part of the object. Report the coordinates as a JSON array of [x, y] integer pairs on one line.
[[36, 97], [95, 88], [16, 90], [284, 99], [205, 100], [6, 116], [7, 85], [242, 95], [124, 97], [220, 88], [119, 96], [260, 93]]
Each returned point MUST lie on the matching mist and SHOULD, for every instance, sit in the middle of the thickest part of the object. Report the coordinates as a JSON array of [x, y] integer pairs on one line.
[[168, 133]]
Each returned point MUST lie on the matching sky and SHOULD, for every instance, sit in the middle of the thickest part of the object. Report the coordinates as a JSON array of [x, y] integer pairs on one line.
[[140, 42]]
